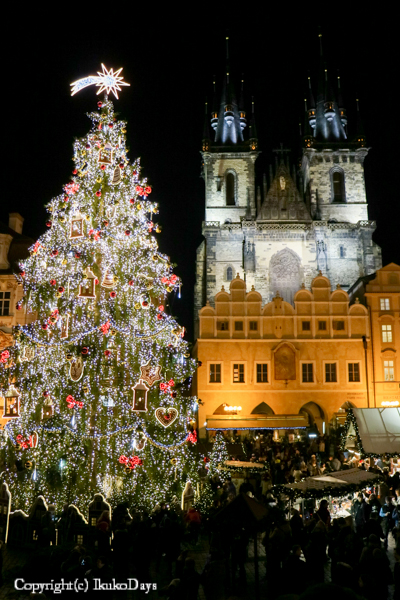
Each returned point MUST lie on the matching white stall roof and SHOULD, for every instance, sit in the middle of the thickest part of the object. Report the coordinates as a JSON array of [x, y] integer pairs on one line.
[[379, 429]]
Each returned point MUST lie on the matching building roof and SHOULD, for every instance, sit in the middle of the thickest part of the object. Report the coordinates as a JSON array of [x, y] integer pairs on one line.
[[18, 249]]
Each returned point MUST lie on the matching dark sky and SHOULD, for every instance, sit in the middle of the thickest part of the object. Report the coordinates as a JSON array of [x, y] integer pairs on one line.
[[169, 59]]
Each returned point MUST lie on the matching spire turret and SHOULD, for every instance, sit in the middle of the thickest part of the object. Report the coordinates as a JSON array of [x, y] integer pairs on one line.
[[327, 117], [206, 130], [361, 139]]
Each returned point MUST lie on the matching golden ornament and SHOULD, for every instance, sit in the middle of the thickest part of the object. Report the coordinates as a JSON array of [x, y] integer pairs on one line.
[[155, 257], [169, 289], [99, 180], [158, 229], [113, 332], [65, 262], [62, 219], [85, 389], [137, 305], [69, 356], [83, 152], [173, 461], [28, 465], [139, 206], [58, 294], [53, 319]]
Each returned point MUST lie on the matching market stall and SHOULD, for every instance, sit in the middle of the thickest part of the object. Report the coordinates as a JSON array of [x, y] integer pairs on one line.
[[372, 432], [241, 470], [338, 488]]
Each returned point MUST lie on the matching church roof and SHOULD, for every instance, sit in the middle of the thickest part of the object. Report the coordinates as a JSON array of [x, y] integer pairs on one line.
[[283, 201]]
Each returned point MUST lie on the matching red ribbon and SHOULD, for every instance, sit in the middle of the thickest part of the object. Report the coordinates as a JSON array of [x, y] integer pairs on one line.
[[130, 462], [164, 387], [192, 437], [71, 402], [4, 356]]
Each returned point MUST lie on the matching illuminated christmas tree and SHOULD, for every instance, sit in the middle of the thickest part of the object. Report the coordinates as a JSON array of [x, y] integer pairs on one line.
[[218, 456], [96, 390]]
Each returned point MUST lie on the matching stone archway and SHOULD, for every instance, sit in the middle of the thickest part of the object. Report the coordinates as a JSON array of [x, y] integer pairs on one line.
[[285, 274], [314, 413]]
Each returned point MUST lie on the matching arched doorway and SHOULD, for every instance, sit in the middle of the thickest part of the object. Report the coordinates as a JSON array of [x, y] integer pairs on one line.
[[315, 415]]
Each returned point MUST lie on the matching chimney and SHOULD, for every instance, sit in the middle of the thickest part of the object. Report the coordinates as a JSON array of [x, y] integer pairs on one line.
[[15, 222]]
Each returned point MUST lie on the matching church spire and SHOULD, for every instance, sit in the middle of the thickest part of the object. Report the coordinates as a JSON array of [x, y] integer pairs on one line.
[[228, 118], [326, 117], [361, 139]]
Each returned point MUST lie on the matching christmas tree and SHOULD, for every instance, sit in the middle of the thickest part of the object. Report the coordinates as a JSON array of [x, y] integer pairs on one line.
[[96, 390], [218, 456]]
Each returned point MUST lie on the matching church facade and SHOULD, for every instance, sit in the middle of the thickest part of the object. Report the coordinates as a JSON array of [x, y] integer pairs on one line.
[[303, 223]]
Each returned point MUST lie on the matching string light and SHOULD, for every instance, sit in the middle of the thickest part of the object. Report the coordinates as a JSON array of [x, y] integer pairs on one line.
[[98, 284]]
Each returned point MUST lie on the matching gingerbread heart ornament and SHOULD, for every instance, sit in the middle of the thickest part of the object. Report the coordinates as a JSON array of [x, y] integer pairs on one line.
[[166, 416]]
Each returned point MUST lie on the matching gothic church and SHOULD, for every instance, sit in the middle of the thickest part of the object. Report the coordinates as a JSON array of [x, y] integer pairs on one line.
[[315, 220]]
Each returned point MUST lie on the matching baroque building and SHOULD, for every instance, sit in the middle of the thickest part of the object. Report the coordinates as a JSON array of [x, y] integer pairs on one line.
[[283, 366], [13, 248], [279, 366], [316, 220]]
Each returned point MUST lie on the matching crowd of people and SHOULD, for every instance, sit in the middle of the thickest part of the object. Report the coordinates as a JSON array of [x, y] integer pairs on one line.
[[347, 555]]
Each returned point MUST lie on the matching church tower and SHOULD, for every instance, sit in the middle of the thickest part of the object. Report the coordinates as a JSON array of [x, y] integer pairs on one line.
[[334, 185], [303, 223], [229, 154]]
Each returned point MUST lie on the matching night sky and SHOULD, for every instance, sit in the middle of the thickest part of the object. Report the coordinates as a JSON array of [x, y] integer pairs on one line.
[[170, 60]]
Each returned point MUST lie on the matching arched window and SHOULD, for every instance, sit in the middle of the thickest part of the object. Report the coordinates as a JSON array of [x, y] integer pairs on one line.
[[337, 181], [230, 189], [229, 274]]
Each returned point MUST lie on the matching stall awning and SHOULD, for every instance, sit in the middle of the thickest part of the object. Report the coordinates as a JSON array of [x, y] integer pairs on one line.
[[377, 430], [215, 422], [335, 483]]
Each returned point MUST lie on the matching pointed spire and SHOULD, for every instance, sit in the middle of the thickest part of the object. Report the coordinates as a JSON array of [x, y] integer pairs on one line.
[[326, 121], [361, 139], [214, 111], [206, 129], [242, 112], [342, 110], [253, 132]]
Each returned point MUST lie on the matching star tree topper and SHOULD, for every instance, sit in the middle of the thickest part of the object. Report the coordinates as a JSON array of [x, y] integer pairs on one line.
[[107, 81]]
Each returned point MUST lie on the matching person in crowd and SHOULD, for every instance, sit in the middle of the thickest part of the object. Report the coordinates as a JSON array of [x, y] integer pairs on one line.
[[230, 487], [360, 511], [295, 572], [374, 504], [373, 526], [335, 463], [386, 513], [323, 513]]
